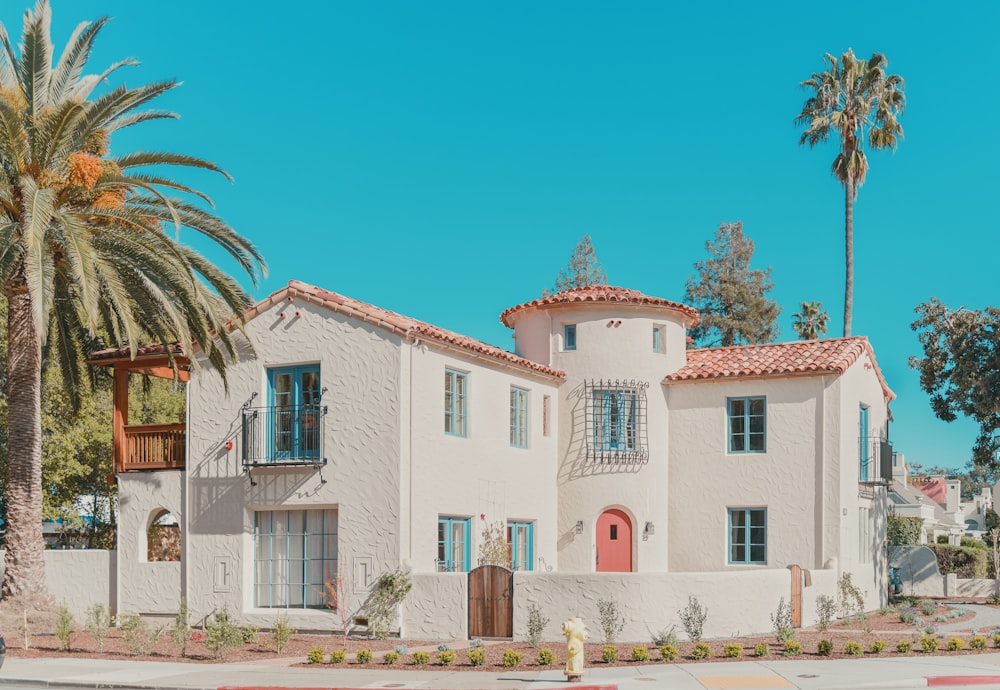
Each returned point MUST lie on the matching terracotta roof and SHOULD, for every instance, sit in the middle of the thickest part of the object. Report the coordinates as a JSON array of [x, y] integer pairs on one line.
[[828, 356], [600, 294], [396, 323]]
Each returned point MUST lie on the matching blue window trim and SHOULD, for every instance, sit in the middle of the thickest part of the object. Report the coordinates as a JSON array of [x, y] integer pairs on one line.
[[458, 411], [746, 542], [616, 422], [518, 417], [513, 541], [863, 448], [298, 430], [448, 543], [569, 336], [745, 434]]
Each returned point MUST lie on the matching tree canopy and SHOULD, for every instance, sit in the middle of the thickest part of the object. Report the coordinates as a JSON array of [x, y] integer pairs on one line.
[[730, 296], [810, 321], [583, 269]]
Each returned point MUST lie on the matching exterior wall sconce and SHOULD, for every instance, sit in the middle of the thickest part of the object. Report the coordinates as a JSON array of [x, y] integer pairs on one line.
[[579, 527], [649, 529]]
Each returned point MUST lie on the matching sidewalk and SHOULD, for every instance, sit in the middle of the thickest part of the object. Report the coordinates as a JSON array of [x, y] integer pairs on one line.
[[980, 671]]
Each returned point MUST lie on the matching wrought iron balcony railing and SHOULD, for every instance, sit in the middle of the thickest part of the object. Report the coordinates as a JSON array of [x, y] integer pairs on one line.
[[283, 435]]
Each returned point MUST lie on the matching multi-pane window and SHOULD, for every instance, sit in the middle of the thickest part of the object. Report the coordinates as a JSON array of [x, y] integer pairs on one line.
[[521, 540], [747, 424], [615, 420], [518, 417], [293, 414], [863, 447], [453, 545], [456, 386], [569, 336], [657, 338], [295, 554], [748, 536]]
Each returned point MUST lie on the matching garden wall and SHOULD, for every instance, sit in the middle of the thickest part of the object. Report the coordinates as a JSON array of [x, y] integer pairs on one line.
[[921, 577], [79, 579]]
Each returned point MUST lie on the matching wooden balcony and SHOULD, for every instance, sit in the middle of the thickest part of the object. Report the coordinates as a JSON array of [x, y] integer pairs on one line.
[[153, 447]]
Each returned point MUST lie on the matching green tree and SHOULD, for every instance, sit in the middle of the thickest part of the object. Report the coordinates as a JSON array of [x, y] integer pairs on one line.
[[84, 248], [861, 103], [810, 321], [732, 297], [583, 269], [960, 370]]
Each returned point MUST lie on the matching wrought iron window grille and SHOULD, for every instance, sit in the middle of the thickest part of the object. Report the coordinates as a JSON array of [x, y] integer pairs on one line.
[[615, 415]]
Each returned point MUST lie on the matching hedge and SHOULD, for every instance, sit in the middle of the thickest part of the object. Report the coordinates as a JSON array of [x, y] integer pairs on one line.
[[966, 562]]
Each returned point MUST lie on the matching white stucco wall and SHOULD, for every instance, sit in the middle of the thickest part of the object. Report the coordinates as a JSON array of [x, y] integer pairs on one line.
[[437, 608], [78, 578]]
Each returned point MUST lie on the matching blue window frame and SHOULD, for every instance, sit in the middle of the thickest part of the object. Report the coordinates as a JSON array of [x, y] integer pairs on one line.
[[293, 430], [518, 417], [569, 336], [616, 423], [863, 447], [295, 554], [454, 549], [747, 424], [456, 389], [748, 536], [521, 541]]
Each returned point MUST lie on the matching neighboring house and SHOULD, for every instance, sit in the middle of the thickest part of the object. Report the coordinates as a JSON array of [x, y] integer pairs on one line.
[[937, 500], [352, 439]]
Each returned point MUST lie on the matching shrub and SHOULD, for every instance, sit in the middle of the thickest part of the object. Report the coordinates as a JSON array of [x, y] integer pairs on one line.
[[250, 634], [732, 651], [929, 643], [476, 643], [928, 608], [390, 658], [793, 648], [693, 619], [316, 655], [849, 598], [65, 627], [640, 653], [665, 636], [762, 649], [609, 654], [940, 619], [337, 656], [826, 609], [908, 616], [446, 658], [477, 656], [701, 651], [536, 625], [511, 659], [137, 636], [978, 642], [98, 623], [611, 619], [853, 648], [824, 648], [668, 652], [781, 622], [956, 644], [401, 649], [972, 543], [180, 629], [444, 647], [961, 560], [903, 531], [282, 633], [904, 646], [877, 646], [545, 657], [364, 656], [389, 592], [996, 640], [421, 658]]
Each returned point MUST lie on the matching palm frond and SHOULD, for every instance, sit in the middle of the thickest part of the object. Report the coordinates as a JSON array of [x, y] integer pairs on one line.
[[74, 58]]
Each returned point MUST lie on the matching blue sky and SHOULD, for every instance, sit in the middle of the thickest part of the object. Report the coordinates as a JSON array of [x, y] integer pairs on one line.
[[442, 159]]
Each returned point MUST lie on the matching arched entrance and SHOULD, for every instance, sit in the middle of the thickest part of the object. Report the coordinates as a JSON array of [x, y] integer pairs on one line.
[[614, 542]]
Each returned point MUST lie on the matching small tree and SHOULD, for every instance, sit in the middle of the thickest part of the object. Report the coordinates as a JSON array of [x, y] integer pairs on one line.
[[583, 269], [336, 599], [390, 591], [493, 548], [810, 321]]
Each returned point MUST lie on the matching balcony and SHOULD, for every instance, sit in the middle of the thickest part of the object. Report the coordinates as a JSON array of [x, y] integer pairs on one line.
[[286, 435], [154, 447], [874, 461]]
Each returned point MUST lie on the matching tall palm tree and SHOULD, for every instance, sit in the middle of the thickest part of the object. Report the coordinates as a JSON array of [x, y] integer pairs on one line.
[[89, 244], [858, 100], [810, 321]]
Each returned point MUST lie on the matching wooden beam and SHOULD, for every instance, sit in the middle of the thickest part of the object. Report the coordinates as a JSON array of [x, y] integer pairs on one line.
[[165, 373], [120, 417]]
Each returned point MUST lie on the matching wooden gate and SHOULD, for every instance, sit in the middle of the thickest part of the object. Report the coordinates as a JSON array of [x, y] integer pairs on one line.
[[491, 602], [796, 596]]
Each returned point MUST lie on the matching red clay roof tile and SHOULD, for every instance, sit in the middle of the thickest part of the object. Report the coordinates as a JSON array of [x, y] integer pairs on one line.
[[599, 294]]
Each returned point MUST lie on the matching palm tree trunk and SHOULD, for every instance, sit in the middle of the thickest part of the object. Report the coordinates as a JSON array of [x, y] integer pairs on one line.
[[848, 255], [25, 566]]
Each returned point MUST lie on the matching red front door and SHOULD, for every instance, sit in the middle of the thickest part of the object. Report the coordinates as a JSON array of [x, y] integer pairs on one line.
[[614, 542]]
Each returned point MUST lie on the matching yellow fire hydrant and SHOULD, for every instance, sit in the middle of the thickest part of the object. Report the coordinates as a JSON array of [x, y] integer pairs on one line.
[[575, 632]]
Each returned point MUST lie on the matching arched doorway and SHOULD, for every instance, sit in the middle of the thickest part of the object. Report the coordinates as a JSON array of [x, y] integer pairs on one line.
[[614, 542]]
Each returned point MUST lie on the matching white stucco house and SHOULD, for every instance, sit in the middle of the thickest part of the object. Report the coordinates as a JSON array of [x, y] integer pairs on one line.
[[351, 438]]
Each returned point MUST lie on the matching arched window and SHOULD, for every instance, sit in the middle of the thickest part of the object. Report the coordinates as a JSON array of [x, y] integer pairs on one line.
[[163, 537]]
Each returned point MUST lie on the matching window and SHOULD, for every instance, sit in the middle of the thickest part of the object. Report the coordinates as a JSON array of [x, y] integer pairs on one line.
[[293, 413], [546, 412], [747, 424], [657, 338], [518, 417], [615, 420], [569, 336], [453, 545], [456, 386], [863, 452], [864, 535], [748, 536], [521, 539], [295, 553]]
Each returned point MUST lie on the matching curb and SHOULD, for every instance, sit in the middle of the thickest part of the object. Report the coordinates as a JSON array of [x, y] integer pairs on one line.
[[933, 681]]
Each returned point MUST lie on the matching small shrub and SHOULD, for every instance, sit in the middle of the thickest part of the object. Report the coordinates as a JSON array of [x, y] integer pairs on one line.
[[877, 646], [701, 651], [477, 643], [444, 647], [390, 658], [180, 629], [693, 619], [316, 655], [640, 653], [793, 648], [996, 640], [665, 636], [824, 647], [421, 658], [908, 616], [826, 609], [98, 623], [65, 627], [401, 649], [978, 642], [250, 634], [762, 649], [364, 656], [995, 599], [853, 648], [511, 659], [446, 658], [928, 608], [904, 646], [611, 619], [137, 636], [668, 652], [337, 656], [929, 643], [545, 657], [536, 625], [477, 656], [609, 654], [389, 592], [781, 622], [930, 630], [282, 633], [956, 644], [732, 651], [849, 598]]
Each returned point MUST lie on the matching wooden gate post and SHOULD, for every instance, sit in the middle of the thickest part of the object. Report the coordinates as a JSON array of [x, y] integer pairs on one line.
[[796, 595]]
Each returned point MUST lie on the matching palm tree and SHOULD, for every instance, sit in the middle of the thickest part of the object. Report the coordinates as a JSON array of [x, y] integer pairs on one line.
[[858, 100], [810, 321], [85, 248]]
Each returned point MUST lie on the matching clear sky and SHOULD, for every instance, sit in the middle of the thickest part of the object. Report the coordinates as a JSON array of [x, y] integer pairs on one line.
[[442, 159]]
